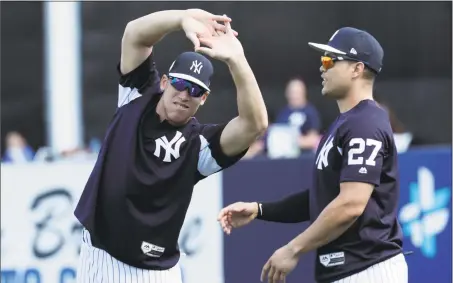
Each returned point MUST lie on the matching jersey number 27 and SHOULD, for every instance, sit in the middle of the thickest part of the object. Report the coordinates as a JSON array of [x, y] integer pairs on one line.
[[358, 145]]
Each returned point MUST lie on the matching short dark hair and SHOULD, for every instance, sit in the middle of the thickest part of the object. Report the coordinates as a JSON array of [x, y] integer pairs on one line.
[[369, 74]]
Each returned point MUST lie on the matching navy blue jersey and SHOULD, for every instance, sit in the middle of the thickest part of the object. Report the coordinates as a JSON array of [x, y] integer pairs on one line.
[[138, 193], [358, 147]]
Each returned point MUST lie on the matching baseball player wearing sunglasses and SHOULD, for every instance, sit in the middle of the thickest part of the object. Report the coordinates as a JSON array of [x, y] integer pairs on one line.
[[154, 152], [352, 204]]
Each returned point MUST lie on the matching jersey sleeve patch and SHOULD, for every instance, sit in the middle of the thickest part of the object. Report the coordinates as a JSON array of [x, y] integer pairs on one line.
[[207, 164]]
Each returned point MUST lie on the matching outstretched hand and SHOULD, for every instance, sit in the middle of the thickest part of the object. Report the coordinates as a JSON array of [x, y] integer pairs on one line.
[[222, 45], [199, 23], [237, 215]]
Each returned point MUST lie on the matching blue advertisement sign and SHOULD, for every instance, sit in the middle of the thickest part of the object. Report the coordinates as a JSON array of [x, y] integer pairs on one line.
[[424, 214]]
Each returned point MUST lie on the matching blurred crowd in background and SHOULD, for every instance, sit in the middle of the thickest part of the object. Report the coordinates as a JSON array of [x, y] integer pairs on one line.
[[294, 131]]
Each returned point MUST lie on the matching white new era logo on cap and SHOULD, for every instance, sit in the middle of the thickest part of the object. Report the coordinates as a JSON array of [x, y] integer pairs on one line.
[[353, 51], [196, 66]]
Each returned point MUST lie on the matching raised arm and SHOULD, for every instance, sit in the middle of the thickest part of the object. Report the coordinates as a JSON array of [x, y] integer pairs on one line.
[[140, 35], [143, 33], [252, 121]]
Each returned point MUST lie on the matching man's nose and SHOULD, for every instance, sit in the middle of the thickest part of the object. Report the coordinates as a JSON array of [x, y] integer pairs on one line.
[[184, 95]]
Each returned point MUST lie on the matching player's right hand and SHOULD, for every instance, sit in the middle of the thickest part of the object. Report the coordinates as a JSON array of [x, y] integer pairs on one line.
[[199, 23], [237, 215]]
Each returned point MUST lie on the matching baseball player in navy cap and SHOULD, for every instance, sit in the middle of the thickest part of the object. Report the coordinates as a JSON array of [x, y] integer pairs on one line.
[[352, 205], [154, 152]]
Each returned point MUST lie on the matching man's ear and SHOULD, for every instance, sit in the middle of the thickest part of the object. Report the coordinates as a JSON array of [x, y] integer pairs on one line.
[[163, 82], [359, 68], [204, 97]]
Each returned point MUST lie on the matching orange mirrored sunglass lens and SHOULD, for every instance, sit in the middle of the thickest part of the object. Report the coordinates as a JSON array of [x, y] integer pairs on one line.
[[326, 62]]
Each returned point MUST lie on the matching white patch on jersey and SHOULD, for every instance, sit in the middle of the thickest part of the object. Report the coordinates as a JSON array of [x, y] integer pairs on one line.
[[207, 165], [152, 250], [332, 259], [126, 95]]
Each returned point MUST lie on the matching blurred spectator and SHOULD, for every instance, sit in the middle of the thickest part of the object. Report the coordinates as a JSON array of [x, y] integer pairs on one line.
[[296, 128], [403, 138], [17, 149], [301, 114]]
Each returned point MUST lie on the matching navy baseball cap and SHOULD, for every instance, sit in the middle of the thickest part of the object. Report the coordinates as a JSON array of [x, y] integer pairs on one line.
[[193, 67], [354, 44]]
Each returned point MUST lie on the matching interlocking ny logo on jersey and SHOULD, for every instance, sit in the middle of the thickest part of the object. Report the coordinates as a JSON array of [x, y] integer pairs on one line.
[[196, 67], [322, 159], [171, 148], [426, 215]]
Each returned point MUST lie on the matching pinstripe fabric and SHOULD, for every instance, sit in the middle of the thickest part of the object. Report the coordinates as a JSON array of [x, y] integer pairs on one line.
[[97, 266], [392, 270]]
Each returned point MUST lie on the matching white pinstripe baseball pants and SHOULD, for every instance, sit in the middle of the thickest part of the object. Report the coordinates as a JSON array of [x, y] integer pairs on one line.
[[97, 266], [392, 270]]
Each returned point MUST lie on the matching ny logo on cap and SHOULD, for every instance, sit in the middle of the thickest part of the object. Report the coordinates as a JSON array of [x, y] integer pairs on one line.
[[196, 66]]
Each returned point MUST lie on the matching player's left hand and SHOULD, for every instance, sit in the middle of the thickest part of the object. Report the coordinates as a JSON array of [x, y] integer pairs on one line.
[[222, 46], [279, 265]]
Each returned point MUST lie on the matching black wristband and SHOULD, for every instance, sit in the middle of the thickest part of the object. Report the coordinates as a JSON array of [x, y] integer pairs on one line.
[[292, 209]]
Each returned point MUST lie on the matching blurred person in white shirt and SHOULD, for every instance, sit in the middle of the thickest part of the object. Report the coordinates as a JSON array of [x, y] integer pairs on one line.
[[299, 114], [17, 149]]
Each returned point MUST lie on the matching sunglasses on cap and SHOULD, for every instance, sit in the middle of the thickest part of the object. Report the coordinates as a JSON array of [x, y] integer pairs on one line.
[[181, 85]]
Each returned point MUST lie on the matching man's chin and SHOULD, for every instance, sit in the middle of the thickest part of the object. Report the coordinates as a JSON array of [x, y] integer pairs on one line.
[[178, 119], [328, 93]]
